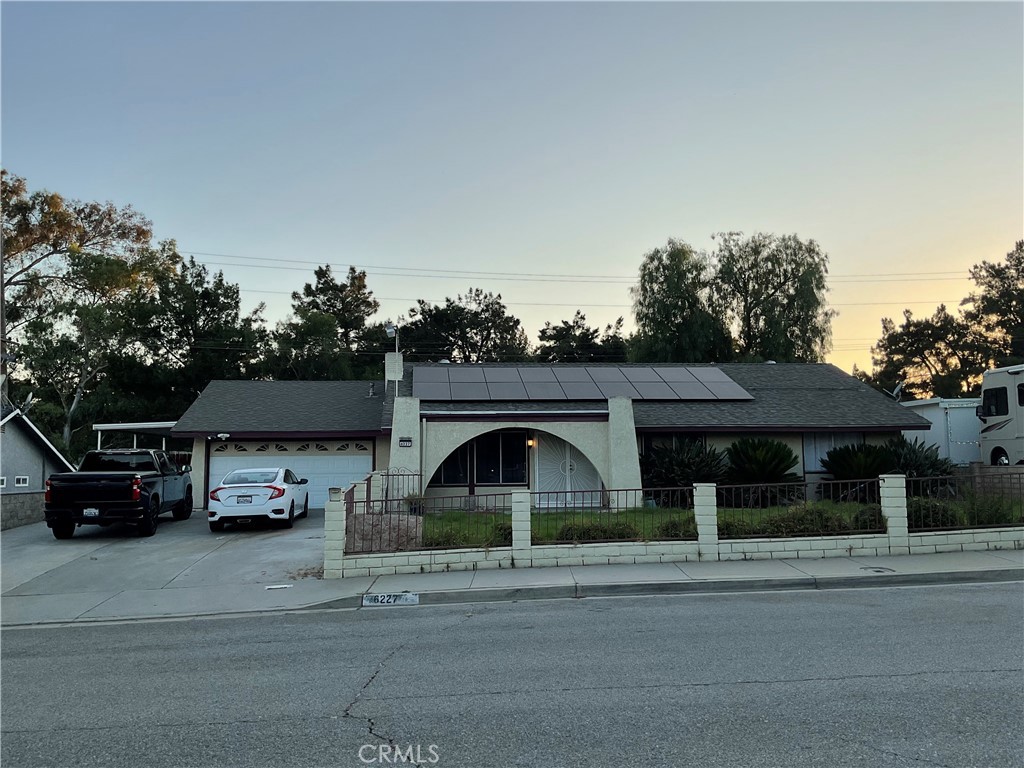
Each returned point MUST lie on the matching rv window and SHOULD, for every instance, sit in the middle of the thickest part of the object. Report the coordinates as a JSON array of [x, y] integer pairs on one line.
[[1020, 394], [994, 402]]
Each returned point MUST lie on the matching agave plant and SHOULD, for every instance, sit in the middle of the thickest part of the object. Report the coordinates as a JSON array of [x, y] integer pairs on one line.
[[675, 467], [760, 460], [915, 459]]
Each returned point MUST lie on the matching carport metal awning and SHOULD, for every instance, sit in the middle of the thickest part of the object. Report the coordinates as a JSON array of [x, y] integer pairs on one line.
[[160, 428]]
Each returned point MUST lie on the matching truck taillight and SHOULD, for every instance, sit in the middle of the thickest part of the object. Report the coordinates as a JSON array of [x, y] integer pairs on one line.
[[275, 491], [214, 492], [136, 488], [49, 496]]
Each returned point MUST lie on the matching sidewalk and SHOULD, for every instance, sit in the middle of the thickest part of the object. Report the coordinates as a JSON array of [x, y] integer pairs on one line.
[[516, 584]]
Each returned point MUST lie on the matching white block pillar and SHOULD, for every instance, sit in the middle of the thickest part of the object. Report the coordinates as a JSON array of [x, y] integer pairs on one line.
[[334, 534], [894, 510], [705, 510], [522, 555]]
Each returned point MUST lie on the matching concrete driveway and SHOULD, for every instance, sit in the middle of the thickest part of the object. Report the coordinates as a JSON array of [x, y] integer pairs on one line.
[[101, 569]]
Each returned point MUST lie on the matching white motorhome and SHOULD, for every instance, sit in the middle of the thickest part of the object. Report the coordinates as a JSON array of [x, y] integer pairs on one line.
[[955, 428], [1002, 415]]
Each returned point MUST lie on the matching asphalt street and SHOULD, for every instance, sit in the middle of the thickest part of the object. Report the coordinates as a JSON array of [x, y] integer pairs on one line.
[[928, 676]]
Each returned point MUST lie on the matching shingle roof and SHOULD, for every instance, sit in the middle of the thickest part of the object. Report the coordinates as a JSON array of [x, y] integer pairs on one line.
[[787, 396], [243, 408]]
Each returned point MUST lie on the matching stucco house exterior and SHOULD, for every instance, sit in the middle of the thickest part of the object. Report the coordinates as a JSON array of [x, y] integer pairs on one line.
[[490, 428], [27, 458]]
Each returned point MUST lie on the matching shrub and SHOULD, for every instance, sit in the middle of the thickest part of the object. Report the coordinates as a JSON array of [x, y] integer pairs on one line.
[[501, 535], [802, 521], [868, 518], [597, 532], [691, 462], [731, 528], [676, 528], [915, 459], [445, 540], [925, 514], [760, 460], [992, 510], [857, 462]]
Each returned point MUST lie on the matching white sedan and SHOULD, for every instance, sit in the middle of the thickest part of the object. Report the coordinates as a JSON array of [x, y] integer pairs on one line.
[[244, 495]]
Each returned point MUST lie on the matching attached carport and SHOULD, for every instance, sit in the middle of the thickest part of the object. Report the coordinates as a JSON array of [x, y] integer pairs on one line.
[[325, 431]]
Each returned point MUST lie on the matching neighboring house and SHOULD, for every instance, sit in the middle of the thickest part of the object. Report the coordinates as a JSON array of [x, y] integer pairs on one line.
[[479, 429], [328, 432], [27, 458]]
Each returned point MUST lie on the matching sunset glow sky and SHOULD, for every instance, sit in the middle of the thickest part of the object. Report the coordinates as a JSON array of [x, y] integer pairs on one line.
[[431, 143]]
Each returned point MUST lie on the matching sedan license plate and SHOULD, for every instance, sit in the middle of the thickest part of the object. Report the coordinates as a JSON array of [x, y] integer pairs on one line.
[[245, 499], [91, 512]]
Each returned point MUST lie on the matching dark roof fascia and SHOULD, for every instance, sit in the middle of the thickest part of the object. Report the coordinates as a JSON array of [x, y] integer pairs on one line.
[[281, 435], [515, 416], [782, 428]]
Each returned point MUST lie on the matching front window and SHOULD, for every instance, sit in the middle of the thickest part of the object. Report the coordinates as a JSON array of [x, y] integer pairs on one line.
[[994, 402], [818, 444], [497, 458]]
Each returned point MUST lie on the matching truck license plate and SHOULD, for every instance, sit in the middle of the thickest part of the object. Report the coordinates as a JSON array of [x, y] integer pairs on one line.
[[91, 512], [245, 499]]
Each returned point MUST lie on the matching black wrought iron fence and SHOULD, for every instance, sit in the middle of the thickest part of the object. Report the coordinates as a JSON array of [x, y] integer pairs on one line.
[[429, 522], [964, 501], [783, 510], [616, 515]]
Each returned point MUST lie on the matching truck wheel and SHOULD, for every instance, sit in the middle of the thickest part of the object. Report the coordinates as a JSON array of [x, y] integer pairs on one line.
[[147, 525], [216, 526], [183, 509], [63, 530]]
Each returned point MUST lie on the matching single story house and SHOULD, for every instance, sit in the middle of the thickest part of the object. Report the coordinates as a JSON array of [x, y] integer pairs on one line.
[[27, 458], [479, 429]]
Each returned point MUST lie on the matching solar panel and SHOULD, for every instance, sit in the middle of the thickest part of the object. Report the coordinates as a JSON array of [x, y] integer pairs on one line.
[[728, 390], [572, 374], [655, 390], [465, 374], [430, 374], [543, 390], [581, 390], [709, 374], [578, 382], [641, 374], [692, 391], [606, 374], [431, 390], [675, 374], [501, 374], [507, 390], [618, 389], [470, 391], [537, 374]]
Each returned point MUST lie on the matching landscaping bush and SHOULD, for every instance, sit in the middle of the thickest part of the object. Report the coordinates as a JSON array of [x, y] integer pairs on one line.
[[992, 510], [760, 460], [501, 535], [445, 540], [731, 528], [857, 462], [578, 532], [868, 518], [915, 459], [925, 514], [677, 529], [691, 462], [802, 520]]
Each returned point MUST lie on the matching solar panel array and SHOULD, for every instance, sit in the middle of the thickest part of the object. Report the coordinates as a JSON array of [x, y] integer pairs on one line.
[[574, 383]]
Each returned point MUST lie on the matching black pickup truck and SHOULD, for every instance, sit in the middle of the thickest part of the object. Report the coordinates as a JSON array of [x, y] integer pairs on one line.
[[130, 486]]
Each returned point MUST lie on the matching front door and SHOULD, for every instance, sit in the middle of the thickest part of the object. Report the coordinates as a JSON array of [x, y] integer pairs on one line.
[[565, 477]]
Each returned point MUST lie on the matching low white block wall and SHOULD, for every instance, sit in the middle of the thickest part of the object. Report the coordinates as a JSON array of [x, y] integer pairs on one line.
[[814, 547], [628, 552], [965, 541], [389, 563]]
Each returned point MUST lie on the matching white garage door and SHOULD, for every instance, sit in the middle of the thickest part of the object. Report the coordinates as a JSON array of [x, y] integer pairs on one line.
[[326, 465]]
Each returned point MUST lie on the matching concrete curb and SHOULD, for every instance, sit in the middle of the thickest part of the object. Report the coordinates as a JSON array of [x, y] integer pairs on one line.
[[582, 591]]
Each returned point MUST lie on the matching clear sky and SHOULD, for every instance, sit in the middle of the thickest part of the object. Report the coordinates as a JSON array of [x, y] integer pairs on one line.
[[534, 139]]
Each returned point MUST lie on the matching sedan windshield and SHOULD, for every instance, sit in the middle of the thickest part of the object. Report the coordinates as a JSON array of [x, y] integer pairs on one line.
[[251, 477]]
